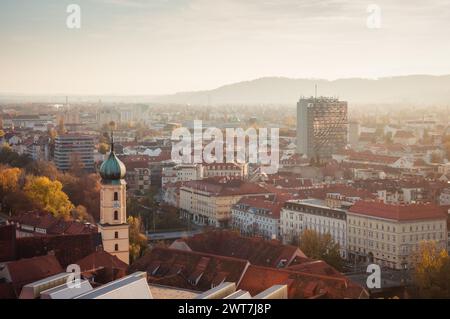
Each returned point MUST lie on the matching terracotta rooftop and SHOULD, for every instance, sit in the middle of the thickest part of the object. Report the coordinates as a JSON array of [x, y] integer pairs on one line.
[[52, 225], [7, 291], [25, 271], [317, 267], [372, 158], [188, 269], [301, 285], [256, 250], [273, 207], [222, 186], [67, 248], [398, 212], [403, 134], [101, 259]]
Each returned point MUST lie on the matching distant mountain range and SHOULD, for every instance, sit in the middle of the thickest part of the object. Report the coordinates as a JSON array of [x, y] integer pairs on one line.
[[414, 89], [410, 89]]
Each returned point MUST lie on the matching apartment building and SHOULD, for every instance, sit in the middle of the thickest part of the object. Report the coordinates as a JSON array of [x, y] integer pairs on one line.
[[299, 215], [389, 234], [69, 146], [209, 201], [225, 169], [138, 175], [257, 216], [181, 173]]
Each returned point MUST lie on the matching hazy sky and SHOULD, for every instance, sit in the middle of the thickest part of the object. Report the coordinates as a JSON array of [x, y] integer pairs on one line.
[[165, 46]]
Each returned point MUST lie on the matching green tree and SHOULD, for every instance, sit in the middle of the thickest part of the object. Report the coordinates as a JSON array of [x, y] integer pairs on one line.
[[48, 196], [318, 246]]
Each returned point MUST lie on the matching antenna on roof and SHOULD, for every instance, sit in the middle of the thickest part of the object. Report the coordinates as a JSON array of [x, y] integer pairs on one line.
[[315, 92]]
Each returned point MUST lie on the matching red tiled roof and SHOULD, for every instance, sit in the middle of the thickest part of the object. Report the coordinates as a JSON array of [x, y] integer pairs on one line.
[[256, 250], [7, 291], [46, 221], [398, 212], [25, 271], [180, 268], [366, 136], [7, 243], [101, 259], [403, 134], [344, 190], [222, 186], [372, 158], [76, 228], [274, 207], [131, 165], [300, 284], [53, 225], [67, 248], [318, 267]]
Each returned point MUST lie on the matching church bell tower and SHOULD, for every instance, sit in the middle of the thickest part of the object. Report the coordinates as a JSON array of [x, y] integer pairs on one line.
[[113, 212]]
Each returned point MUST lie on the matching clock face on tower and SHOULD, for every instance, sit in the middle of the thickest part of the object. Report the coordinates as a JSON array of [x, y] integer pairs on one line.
[[116, 205]]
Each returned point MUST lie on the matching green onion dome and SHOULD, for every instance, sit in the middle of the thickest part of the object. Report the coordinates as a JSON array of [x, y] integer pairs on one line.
[[112, 168]]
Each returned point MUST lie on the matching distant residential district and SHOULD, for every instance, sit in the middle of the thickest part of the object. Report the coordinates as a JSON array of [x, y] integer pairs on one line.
[[92, 188]]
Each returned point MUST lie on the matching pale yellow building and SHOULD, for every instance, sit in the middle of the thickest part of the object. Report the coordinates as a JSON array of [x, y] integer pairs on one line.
[[389, 234], [208, 202]]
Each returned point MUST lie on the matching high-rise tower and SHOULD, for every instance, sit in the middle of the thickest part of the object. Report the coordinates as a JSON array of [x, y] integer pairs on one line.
[[321, 126]]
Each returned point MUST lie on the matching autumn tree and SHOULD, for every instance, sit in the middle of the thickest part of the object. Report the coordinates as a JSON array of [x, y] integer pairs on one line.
[[48, 196], [76, 165], [103, 148], [80, 213], [84, 190], [9, 180], [43, 168], [12, 197], [138, 241], [319, 246], [432, 271]]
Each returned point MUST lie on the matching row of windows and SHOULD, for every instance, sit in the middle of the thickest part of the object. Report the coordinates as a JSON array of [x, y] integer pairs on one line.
[[389, 228], [325, 212]]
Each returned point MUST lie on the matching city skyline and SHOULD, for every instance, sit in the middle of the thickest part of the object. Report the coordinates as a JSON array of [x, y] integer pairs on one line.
[[132, 47]]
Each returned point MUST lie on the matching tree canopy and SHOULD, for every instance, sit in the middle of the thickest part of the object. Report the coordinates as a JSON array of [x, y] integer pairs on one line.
[[432, 271], [48, 195], [319, 246], [138, 241]]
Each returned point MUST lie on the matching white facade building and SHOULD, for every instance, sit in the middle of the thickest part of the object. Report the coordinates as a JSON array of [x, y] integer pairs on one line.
[[257, 216], [299, 215], [181, 173]]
